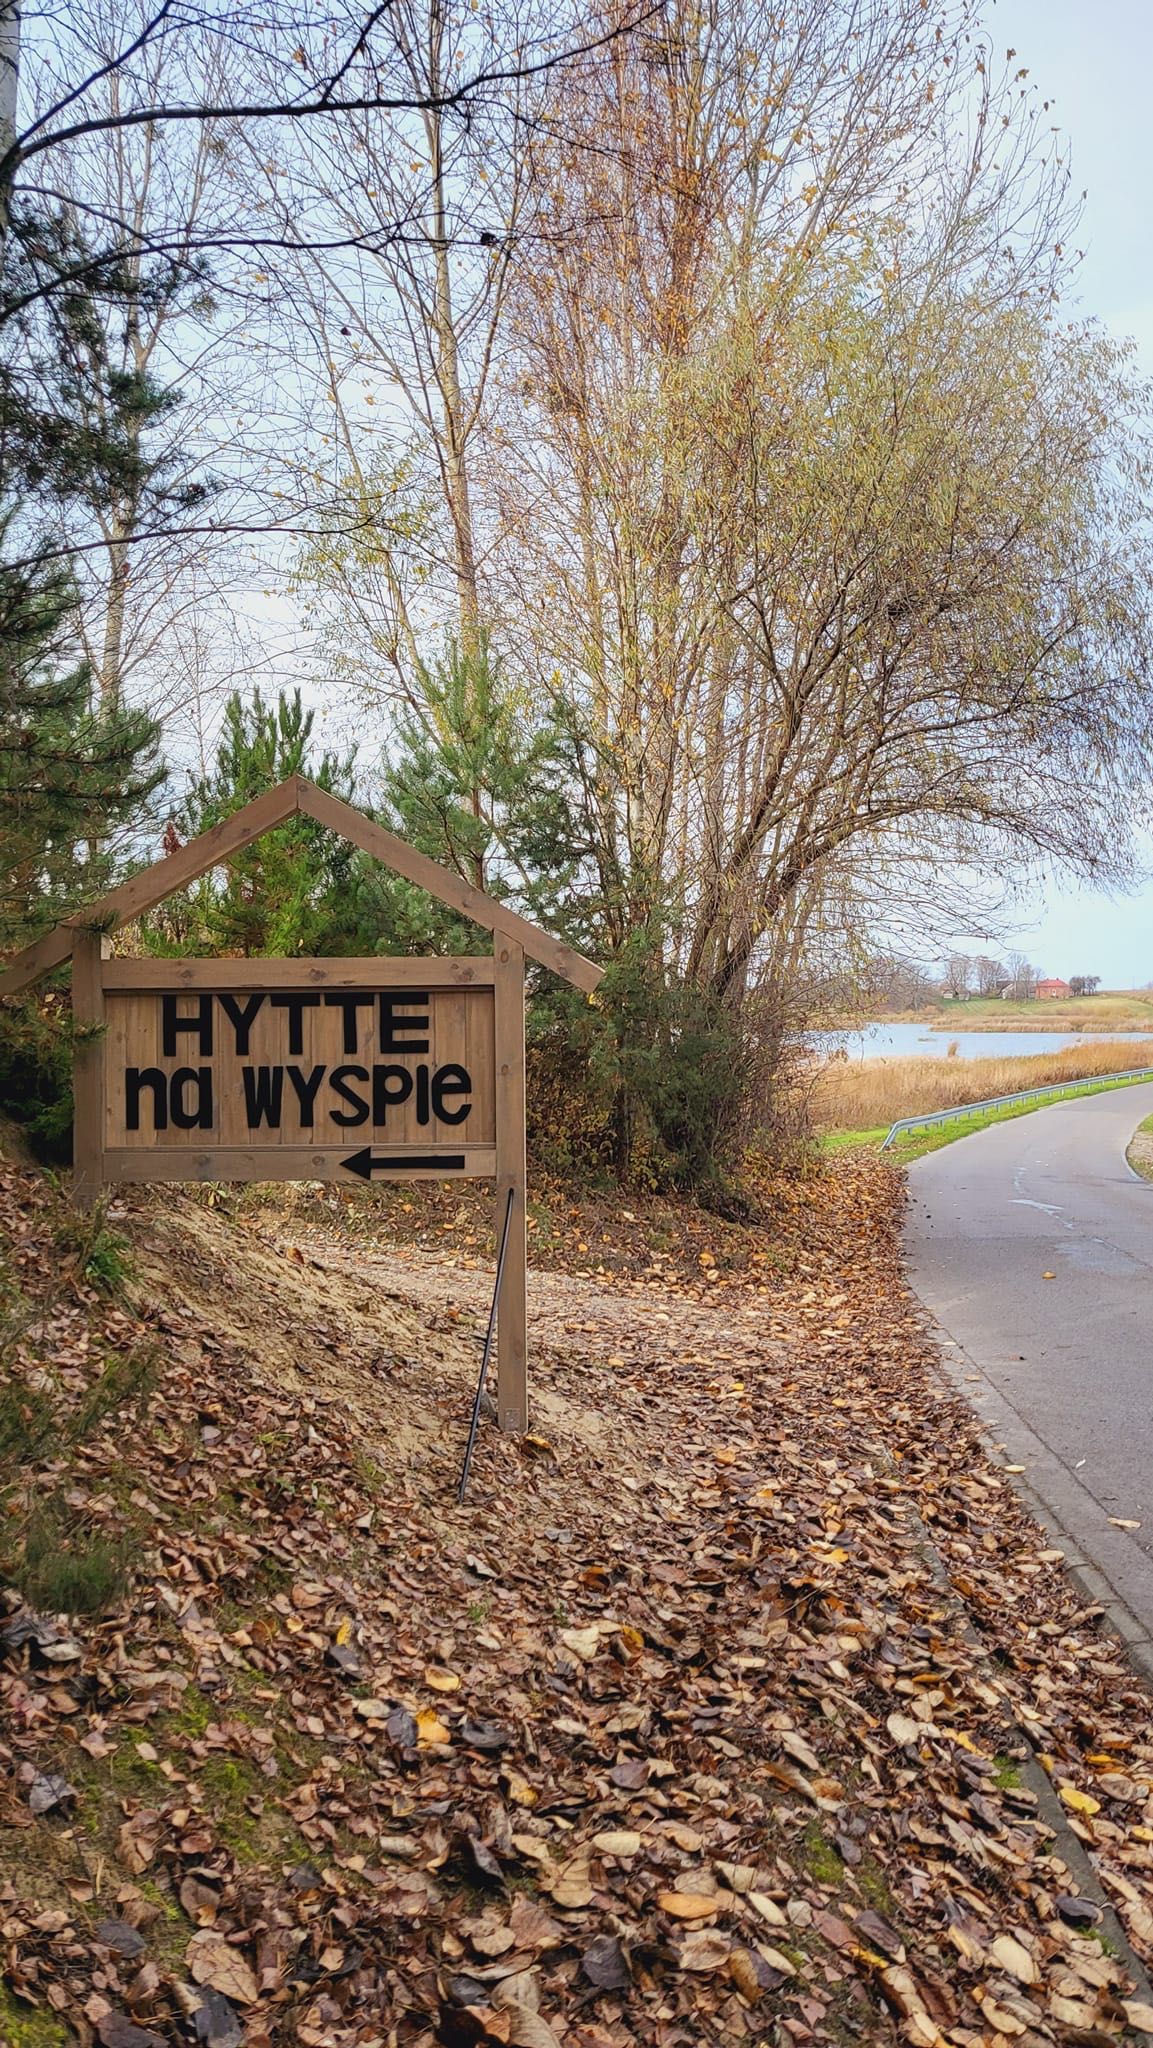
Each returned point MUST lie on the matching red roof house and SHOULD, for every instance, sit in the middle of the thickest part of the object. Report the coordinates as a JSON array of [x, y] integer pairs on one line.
[[1052, 991]]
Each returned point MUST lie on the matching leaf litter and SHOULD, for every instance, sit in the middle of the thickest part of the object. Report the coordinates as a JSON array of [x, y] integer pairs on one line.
[[680, 1733]]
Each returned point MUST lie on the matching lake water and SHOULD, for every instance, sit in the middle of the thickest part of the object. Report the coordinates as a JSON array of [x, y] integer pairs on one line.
[[917, 1041]]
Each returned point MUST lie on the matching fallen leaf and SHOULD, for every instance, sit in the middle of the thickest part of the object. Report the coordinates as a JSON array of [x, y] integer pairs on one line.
[[618, 1842], [215, 1962], [1080, 1802], [1011, 1955], [583, 1642], [605, 1965], [441, 1681], [116, 2030], [571, 1886], [707, 1950], [48, 1791], [904, 1729], [688, 1905], [217, 2023], [768, 1909]]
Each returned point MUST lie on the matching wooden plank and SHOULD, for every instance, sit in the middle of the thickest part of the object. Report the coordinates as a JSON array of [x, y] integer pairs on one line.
[[90, 949], [141, 892], [449, 888], [291, 1162], [512, 1315], [374, 971]]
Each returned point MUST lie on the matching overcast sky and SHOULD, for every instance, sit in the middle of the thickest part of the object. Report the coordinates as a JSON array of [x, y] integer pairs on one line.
[[1095, 62]]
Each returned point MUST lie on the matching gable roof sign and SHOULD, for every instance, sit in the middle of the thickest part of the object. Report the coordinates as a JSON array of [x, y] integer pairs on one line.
[[297, 797]]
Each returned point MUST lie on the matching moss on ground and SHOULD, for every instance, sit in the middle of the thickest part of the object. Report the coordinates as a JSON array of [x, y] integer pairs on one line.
[[822, 1860], [26, 2026]]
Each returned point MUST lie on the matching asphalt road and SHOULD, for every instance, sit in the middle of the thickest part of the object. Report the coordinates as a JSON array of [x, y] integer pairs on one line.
[[1061, 1368]]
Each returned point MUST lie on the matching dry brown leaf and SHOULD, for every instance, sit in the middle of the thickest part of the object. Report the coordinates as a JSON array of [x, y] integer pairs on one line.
[[1012, 1956], [571, 1886], [212, 1960], [618, 1842], [768, 1909], [904, 1729], [688, 1905], [708, 1950]]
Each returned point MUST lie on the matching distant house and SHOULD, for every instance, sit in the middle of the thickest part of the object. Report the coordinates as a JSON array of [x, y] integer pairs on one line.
[[1052, 991]]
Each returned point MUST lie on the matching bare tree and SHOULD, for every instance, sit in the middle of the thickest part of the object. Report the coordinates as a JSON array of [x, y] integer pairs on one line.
[[291, 69], [991, 975], [958, 975], [1023, 978]]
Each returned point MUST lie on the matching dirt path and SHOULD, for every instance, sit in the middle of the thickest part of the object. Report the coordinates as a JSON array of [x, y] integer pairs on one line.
[[608, 1317]]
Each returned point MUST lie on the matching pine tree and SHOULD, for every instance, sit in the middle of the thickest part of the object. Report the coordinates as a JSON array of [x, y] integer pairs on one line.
[[291, 891], [69, 775]]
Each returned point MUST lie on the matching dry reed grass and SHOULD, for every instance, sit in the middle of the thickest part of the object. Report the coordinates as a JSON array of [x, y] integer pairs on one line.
[[857, 1095], [1086, 1013]]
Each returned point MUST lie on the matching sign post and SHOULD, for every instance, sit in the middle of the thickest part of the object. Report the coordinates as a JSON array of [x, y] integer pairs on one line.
[[344, 1069], [512, 1312], [89, 953]]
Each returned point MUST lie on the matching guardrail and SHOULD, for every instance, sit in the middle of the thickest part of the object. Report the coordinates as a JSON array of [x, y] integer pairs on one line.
[[1090, 1085]]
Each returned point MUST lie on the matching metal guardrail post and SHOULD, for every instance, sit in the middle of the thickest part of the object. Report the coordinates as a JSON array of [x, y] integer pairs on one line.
[[1096, 1082]]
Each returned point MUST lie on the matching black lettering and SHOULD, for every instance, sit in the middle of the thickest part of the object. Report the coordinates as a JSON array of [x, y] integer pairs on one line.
[[199, 1117], [296, 1006], [422, 1094], [173, 1023], [358, 1112], [350, 1005], [390, 1086], [306, 1086], [395, 1030], [242, 1017], [451, 1080], [136, 1079], [263, 1096]]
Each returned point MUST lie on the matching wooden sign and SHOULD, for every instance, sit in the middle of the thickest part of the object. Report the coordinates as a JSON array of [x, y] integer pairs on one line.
[[297, 1070], [345, 1070]]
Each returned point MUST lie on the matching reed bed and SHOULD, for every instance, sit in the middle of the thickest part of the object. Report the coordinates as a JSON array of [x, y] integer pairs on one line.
[[1085, 1013], [858, 1095]]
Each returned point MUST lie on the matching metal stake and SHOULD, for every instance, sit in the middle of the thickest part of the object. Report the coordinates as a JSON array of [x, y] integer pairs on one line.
[[487, 1352]]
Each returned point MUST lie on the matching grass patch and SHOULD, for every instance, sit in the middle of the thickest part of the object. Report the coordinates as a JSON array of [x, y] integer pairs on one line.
[[61, 1560], [833, 1142], [101, 1255], [1140, 1149], [65, 1567]]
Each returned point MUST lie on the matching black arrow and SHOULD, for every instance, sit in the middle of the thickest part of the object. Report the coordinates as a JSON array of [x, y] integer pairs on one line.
[[368, 1162]]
